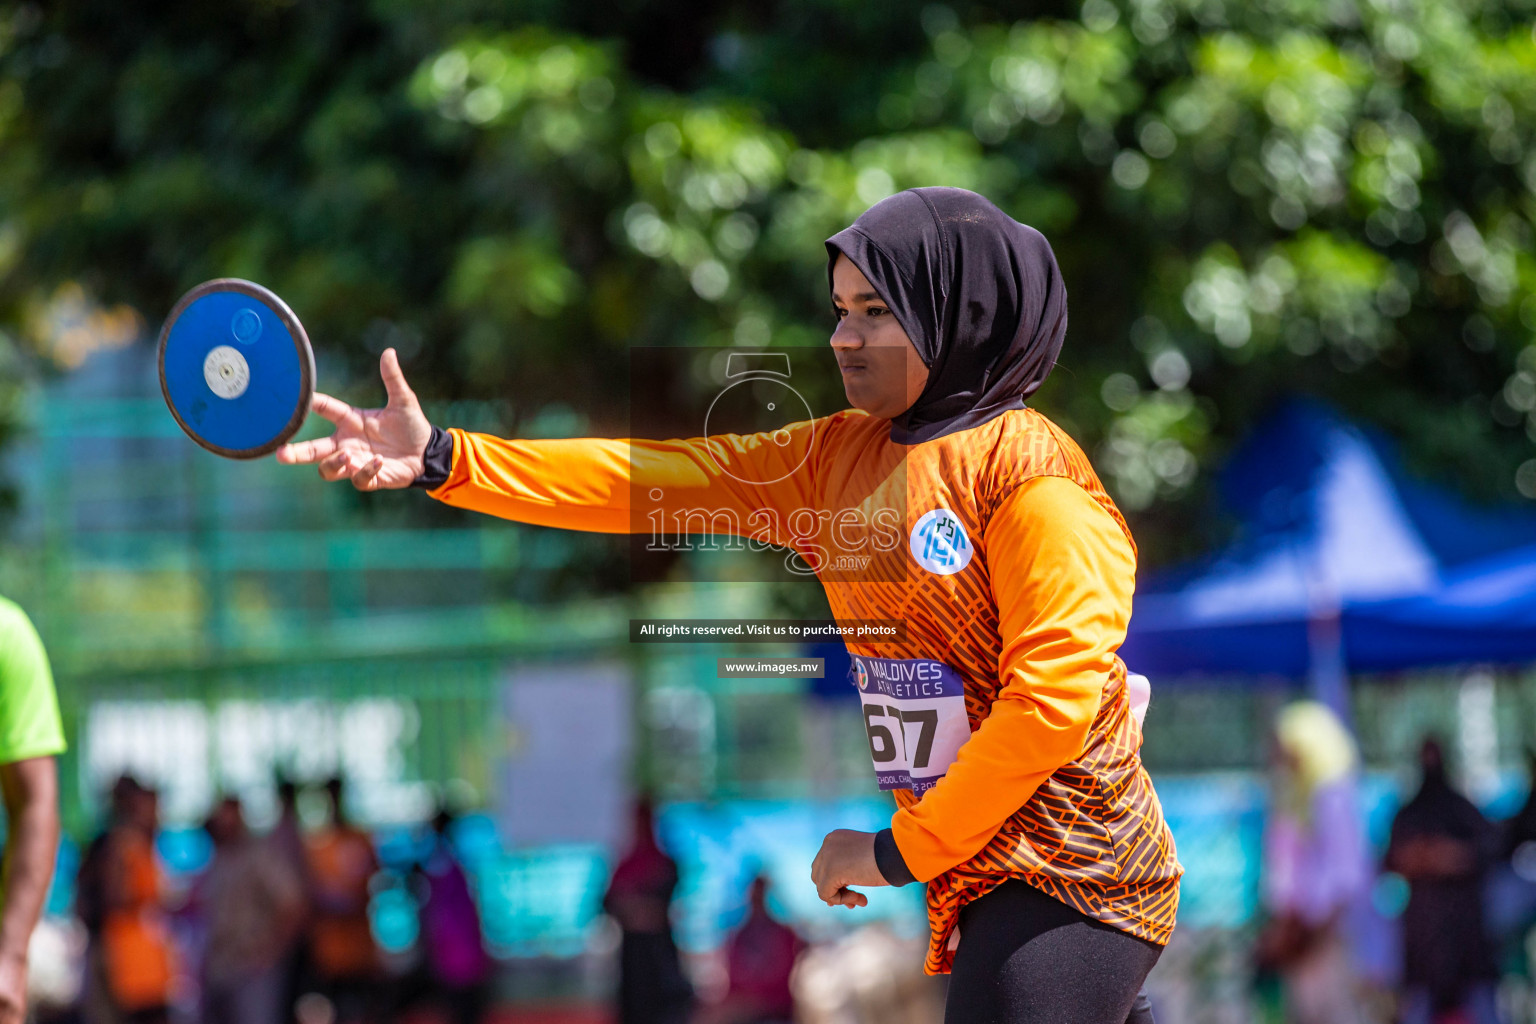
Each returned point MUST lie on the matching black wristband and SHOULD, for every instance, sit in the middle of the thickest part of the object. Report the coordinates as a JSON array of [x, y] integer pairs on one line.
[[889, 860], [437, 461]]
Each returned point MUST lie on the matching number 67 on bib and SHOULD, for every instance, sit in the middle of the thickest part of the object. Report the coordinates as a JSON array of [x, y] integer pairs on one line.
[[914, 714]]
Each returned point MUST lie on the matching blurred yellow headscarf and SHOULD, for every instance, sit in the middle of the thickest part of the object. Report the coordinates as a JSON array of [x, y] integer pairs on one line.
[[1320, 750]]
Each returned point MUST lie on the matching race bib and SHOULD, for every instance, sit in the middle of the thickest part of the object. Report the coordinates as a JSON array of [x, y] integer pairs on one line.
[[914, 714]]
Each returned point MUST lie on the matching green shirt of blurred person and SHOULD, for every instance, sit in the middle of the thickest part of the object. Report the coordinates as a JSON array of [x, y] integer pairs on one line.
[[30, 735]]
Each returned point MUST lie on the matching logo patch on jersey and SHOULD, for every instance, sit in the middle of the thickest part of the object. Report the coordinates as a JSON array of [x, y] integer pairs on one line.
[[860, 674], [940, 543]]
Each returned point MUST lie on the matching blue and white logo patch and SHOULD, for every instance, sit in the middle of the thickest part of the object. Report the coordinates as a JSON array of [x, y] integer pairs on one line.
[[940, 543]]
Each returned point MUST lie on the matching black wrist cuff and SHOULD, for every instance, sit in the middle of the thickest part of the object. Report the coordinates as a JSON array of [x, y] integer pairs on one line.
[[889, 860], [437, 461]]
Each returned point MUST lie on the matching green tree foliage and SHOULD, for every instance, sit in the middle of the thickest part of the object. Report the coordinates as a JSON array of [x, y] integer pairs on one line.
[[1249, 199]]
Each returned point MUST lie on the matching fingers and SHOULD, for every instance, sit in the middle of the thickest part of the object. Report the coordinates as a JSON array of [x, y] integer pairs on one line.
[[841, 896], [832, 873], [399, 391], [333, 409], [355, 464], [306, 452], [846, 897], [342, 464], [367, 478]]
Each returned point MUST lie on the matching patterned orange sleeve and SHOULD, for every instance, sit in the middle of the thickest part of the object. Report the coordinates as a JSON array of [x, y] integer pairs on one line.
[[1063, 573], [612, 486]]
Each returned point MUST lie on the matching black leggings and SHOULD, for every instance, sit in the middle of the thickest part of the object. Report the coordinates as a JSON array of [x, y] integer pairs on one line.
[[1025, 958]]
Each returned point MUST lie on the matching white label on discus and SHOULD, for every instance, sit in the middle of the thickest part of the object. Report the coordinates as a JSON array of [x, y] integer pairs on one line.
[[914, 713], [227, 372]]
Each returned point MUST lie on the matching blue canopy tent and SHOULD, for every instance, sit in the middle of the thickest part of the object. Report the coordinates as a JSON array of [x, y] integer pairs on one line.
[[1330, 526], [1485, 611]]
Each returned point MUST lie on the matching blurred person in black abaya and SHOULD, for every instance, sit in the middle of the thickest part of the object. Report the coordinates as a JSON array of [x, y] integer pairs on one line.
[[1443, 846], [652, 986]]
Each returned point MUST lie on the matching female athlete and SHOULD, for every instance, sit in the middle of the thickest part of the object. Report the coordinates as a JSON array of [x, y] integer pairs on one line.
[[1001, 718]]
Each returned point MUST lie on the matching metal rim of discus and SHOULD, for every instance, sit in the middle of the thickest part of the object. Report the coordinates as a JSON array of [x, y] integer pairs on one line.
[[280, 308]]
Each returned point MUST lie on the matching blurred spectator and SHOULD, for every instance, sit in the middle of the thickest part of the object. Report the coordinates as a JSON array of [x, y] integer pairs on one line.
[[1315, 866], [30, 736], [343, 958], [1442, 845], [1520, 830], [286, 840], [253, 905], [91, 903], [869, 974], [1510, 902], [286, 843], [760, 959], [457, 970], [138, 960], [652, 986]]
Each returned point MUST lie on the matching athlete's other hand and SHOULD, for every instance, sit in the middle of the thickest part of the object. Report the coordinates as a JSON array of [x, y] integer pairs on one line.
[[846, 858], [377, 449]]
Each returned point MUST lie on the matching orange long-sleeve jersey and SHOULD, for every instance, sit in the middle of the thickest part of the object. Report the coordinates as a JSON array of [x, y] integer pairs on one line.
[[1000, 718]]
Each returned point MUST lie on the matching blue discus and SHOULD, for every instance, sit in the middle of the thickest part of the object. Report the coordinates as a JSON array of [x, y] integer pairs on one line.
[[236, 368]]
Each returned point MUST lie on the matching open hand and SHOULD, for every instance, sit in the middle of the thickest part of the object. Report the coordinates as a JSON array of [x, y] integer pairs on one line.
[[846, 858], [377, 449]]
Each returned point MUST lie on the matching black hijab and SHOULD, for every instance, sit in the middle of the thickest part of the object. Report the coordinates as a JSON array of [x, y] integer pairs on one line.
[[978, 293]]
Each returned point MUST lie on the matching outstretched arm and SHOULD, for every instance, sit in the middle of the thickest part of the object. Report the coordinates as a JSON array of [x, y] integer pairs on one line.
[[698, 485], [701, 485]]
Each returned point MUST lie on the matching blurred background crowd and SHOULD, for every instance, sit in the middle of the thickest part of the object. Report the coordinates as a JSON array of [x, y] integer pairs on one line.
[[1298, 240], [316, 919]]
